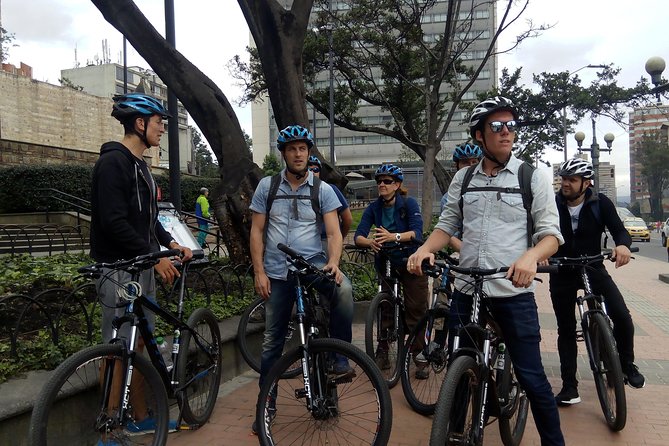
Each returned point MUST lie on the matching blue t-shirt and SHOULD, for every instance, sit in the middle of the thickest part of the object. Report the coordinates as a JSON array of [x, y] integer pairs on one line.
[[292, 221]]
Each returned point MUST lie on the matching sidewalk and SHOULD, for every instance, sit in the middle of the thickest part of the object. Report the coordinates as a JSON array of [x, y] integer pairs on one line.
[[647, 408]]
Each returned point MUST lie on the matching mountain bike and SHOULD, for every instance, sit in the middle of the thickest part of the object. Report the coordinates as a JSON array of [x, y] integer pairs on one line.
[[89, 398], [384, 325], [319, 406], [481, 382], [597, 333], [423, 372]]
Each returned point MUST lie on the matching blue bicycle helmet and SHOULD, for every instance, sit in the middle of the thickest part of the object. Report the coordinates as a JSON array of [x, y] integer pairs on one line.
[[467, 151], [391, 170], [294, 133], [133, 104], [314, 161]]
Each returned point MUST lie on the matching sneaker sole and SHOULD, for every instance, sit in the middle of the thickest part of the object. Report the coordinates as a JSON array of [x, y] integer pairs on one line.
[[570, 402]]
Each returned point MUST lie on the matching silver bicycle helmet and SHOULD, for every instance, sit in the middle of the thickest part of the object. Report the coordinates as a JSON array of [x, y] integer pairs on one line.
[[577, 166]]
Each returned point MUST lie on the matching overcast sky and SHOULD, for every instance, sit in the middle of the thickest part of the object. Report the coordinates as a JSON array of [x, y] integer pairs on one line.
[[211, 32]]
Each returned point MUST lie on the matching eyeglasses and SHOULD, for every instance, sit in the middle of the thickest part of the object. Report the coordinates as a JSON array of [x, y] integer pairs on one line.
[[496, 126], [315, 169], [385, 181]]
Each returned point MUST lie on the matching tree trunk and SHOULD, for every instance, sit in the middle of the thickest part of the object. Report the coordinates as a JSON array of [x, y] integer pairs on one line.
[[213, 114]]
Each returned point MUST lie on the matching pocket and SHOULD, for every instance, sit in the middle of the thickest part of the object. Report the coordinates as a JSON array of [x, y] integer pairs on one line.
[[470, 206], [511, 208]]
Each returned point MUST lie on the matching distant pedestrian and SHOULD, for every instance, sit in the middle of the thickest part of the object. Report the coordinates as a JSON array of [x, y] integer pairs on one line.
[[202, 210]]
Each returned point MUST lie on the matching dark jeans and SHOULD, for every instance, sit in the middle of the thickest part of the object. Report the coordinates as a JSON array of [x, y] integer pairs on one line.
[[564, 287], [518, 319], [279, 306]]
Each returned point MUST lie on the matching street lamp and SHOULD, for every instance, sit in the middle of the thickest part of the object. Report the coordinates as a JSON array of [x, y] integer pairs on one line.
[[655, 66], [594, 149], [328, 28], [564, 109]]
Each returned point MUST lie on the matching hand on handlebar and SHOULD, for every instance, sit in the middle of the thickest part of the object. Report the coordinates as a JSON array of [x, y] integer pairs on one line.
[[622, 255], [333, 269], [416, 260], [522, 271], [166, 270]]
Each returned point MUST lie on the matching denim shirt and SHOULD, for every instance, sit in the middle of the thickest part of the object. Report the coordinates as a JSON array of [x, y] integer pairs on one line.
[[292, 221], [495, 223]]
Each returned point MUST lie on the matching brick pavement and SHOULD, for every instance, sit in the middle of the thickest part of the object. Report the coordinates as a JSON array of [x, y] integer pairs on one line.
[[647, 420]]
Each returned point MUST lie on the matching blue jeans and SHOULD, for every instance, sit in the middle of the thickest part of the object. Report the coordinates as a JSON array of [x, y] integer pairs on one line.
[[278, 310], [518, 319]]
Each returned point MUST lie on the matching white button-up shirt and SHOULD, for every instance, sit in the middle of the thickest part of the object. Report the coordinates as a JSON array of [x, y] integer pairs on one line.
[[495, 223]]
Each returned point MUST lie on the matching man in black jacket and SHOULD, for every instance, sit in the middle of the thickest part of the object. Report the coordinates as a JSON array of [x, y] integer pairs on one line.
[[583, 216]]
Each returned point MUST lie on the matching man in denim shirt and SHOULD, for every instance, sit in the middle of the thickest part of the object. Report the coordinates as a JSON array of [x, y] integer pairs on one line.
[[293, 222], [494, 226]]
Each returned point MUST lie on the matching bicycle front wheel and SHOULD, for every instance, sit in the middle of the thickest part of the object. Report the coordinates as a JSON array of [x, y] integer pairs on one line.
[[79, 403], [199, 367], [514, 406], [423, 370], [250, 334], [608, 373], [384, 338], [352, 408], [456, 411]]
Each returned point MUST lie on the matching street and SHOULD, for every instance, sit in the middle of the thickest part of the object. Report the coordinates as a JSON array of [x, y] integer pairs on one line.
[[651, 250]]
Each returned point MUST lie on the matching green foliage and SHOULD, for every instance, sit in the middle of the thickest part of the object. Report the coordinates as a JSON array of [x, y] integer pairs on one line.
[[190, 189], [67, 83], [205, 165], [271, 165], [25, 274], [6, 40], [654, 158]]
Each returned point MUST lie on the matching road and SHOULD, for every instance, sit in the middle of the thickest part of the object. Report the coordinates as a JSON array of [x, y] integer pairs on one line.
[[652, 249]]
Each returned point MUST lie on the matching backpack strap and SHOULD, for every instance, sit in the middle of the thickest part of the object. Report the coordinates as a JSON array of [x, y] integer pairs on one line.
[[314, 197]]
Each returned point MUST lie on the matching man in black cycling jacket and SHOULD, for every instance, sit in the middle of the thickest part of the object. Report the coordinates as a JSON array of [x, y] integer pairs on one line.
[[583, 216]]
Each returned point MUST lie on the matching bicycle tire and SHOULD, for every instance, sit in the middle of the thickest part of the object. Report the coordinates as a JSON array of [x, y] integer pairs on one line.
[[351, 410], [58, 419], [514, 405], [451, 424], [199, 370], [421, 392], [608, 374], [250, 335], [383, 306]]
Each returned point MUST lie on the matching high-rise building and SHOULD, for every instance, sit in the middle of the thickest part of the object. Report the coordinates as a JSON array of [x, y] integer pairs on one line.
[[643, 121], [360, 150], [107, 80]]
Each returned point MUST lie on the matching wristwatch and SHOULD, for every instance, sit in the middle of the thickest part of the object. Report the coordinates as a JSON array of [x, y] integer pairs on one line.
[[398, 236]]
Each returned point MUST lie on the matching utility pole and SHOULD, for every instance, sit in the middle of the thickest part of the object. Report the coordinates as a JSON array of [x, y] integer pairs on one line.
[[173, 126]]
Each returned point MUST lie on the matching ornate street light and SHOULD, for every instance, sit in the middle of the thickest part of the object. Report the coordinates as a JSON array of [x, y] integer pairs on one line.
[[655, 66], [594, 149]]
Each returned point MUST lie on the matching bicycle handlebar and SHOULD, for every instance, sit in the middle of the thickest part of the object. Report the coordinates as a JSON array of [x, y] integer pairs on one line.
[[585, 260], [301, 263], [142, 262], [441, 265]]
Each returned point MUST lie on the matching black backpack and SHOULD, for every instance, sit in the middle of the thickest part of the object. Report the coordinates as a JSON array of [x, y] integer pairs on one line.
[[525, 173]]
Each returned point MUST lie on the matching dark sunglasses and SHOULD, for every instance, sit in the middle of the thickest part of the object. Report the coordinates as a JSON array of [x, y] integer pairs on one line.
[[496, 126], [315, 169], [385, 181]]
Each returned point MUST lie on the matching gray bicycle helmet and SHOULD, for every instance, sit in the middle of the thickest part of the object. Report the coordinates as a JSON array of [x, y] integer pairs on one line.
[[577, 167]]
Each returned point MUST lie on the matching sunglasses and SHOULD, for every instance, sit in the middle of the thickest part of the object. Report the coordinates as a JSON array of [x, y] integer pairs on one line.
[[496, 126], [385, 181], [315, 169]]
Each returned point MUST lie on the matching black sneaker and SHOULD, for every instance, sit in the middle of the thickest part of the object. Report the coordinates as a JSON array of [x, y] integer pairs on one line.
[[567, 396], [633, 377], [272, 416]]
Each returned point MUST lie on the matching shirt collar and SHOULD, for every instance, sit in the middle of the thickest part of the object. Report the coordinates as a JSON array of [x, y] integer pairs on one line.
[[308, 179]]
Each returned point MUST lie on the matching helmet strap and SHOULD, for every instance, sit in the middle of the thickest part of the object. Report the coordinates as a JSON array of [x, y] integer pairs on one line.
[[142, 136], [389, 199]]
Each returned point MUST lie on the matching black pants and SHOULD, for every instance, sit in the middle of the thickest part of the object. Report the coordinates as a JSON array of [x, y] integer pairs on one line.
[[563, 287]]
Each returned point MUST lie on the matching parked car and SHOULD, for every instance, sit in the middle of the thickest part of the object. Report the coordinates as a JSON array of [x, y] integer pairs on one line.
[[637, 229], [665, 232]]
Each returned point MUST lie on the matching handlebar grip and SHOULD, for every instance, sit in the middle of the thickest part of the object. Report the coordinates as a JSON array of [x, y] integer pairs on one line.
[[291, 252], [161, 254], [634, 249], [553, 269]]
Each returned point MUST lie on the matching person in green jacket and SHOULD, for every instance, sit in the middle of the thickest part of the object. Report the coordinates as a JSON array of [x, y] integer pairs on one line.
[[202, 212]]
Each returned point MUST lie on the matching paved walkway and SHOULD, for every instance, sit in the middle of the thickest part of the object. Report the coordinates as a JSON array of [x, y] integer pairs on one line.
[[583, 424]]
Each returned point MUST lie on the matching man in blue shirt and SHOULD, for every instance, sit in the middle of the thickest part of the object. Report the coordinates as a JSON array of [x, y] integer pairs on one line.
[[344, 212], [293, 222]]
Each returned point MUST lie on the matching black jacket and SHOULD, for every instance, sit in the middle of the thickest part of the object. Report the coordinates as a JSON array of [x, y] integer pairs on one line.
[[588, 236], [124, 221]]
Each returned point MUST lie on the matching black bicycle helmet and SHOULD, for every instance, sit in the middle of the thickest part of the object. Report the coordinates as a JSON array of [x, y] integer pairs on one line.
[[466, 151], [391, 170], [294, 133], [130, 105], [577, 167], [486, 108]]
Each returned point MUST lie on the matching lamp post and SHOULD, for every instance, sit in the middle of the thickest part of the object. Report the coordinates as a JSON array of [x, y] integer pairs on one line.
[[655, 66], [564, 109], [594, 149], [328, 28]]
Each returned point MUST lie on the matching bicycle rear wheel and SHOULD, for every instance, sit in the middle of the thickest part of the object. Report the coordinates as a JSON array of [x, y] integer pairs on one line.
[[250, 334], [421, 380], [456, 411], [352, 409], [514, 405], [608, 373], [199, 367], [79, 403], [384, 339]]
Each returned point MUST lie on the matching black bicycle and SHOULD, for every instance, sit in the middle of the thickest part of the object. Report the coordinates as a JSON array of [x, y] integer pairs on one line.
[[597, 333], [317, 405], [481, 382], [104, 393], [423, 371]]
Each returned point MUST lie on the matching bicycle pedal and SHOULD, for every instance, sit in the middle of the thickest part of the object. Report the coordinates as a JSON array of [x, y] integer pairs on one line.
[[300, 393]]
